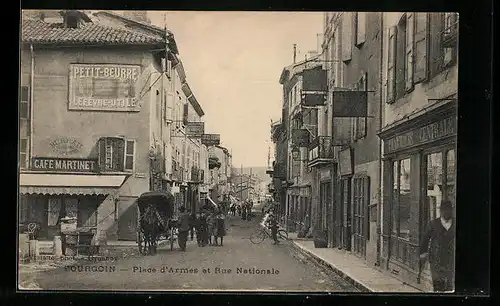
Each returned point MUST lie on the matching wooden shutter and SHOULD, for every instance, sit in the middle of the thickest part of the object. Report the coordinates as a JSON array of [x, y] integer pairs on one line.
[[118, 154], [101, 155], [421, 47], [410, 27], [360, 28], [366, 206], [391, 65], [400, 57], [347, 41]]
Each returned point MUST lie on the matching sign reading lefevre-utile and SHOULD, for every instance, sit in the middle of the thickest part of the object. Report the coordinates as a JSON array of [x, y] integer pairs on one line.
[[104, 87], [64, 164]]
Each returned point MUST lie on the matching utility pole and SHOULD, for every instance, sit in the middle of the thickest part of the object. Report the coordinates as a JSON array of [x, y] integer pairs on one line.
[[294, 53], [241, 182]]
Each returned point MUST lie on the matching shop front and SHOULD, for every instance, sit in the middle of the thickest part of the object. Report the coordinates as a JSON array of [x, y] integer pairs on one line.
[[90, 199], [419, 173], [326, 202]]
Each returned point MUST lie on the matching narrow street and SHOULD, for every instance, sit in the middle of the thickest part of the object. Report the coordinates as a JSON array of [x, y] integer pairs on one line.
[[224, 266]]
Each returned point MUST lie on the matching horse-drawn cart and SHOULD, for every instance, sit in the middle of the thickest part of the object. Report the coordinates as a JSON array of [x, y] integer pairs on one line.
[[155, 219]]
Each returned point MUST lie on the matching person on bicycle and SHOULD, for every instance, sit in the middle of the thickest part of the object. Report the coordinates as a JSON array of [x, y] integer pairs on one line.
[[272, 222]]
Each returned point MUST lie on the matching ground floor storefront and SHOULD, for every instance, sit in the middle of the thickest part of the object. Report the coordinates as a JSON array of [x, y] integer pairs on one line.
[[91, 200], [419, 173]]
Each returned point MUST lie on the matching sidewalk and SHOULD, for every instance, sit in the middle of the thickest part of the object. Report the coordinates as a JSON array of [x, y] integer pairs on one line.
[[351, 268]]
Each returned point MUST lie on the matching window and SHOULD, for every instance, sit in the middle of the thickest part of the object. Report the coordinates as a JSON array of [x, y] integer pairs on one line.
[[401, 57], [409, 51], [360, 28], [23, 209], [116, 154], [24, 103], [347, 40], [391, 65], [401, 199], [129, 155], [440, 181], [23, 153], [421, 46], [361, 197], [449, 38]]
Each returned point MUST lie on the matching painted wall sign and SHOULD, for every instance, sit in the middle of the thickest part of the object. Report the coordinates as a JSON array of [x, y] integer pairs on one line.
[[64, 164], [345, 162], [195, 129], [104, 87], [65, 146], [210, 139], [434, 131]]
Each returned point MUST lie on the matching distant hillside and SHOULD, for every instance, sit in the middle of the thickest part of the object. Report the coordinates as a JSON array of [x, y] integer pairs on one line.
[[259, 172]]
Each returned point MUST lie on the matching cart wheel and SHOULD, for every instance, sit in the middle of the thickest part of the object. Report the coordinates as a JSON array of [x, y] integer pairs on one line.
[[258, 236], [171, 239], [282, 235]]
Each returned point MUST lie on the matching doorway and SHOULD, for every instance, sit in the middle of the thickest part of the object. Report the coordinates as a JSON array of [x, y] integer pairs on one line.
[[346, 213]]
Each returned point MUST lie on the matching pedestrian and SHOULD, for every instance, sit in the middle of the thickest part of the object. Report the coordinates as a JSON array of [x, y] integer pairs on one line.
[[438, 247], [192, 224], [239, 210], [272, 223], [211, 227], [220, 228], [183, 228], [203, 229]]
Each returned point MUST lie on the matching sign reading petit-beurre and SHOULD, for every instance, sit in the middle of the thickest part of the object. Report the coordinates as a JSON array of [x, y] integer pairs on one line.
[[104, 87]]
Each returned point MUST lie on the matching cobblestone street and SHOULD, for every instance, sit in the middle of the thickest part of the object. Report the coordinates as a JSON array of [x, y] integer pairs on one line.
[[227, 266]]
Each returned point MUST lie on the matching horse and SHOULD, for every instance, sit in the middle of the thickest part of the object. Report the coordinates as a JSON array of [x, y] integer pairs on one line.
[[151, 226]]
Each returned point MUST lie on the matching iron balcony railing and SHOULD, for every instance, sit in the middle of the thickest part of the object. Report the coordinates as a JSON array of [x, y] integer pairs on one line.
[[321, 148]]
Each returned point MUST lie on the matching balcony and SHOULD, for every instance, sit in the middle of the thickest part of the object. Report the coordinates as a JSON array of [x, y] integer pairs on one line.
[[321, 151]]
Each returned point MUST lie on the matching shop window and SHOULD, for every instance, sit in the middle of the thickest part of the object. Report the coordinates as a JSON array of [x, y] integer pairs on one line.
[[440, 182], [87, 212], [23, 153], [401, 199], [23, 209], [55, 211]]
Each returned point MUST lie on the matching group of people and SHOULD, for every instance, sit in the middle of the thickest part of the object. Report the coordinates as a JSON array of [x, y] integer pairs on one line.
[[208, 226], [244, 210]]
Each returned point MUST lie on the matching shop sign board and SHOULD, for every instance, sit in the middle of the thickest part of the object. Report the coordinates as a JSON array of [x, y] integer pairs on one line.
[[105, 87], [64, 164]]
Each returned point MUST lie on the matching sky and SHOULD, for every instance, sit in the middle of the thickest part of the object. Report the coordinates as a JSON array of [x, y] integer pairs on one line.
[[233, 61]]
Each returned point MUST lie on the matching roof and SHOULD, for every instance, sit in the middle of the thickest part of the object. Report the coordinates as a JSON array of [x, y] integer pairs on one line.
[[39, 32], [289, 71], [146, 26]]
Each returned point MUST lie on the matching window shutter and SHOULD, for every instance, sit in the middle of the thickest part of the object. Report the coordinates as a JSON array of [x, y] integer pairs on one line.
[[391, 65], [410, 27], [366, 206], [347, 41], [118, 154], [421, 47], [101, 155], [360, 28]]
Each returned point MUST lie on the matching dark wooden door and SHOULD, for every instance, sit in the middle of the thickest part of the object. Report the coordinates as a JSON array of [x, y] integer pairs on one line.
[[127, 220], [346, 214]]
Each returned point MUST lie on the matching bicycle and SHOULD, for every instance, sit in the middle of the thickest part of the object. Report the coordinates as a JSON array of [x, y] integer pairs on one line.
[[260, 234]]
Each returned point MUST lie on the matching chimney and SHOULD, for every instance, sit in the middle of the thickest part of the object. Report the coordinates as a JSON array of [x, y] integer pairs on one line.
[[294, 53]]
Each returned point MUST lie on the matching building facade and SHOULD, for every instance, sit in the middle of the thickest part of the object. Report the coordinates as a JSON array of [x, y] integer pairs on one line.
[[118, 91], [420, 69], [220, 174]]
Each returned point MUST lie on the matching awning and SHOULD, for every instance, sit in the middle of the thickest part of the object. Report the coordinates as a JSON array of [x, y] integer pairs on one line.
[[38, 183]]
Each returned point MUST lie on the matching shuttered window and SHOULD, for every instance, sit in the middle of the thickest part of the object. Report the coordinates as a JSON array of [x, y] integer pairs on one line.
[[391, 65], [347, 39], [410, 27], [116, 154], [23, 153], [401, 58], [360, 28], [421, 47], [360, 127]]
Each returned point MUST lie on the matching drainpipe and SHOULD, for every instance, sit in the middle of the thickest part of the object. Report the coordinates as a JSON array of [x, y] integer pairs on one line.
[[32, 82], [381, 105]]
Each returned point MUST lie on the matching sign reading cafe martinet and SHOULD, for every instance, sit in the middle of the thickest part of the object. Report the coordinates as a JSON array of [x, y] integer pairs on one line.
[[104, 87], [63, 164]]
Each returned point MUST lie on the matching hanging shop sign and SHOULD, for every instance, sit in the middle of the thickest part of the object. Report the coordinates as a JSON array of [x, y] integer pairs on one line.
[[300, 137], [210, 139], [350, 103], [345, 162], [313, 99], [105, 87], [195, 129], [315, 79], [64, 164], [428, 133]]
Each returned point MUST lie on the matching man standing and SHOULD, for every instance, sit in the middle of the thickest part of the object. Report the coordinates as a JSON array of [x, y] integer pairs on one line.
[[438, 246], [183, 228], [273, 225]]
